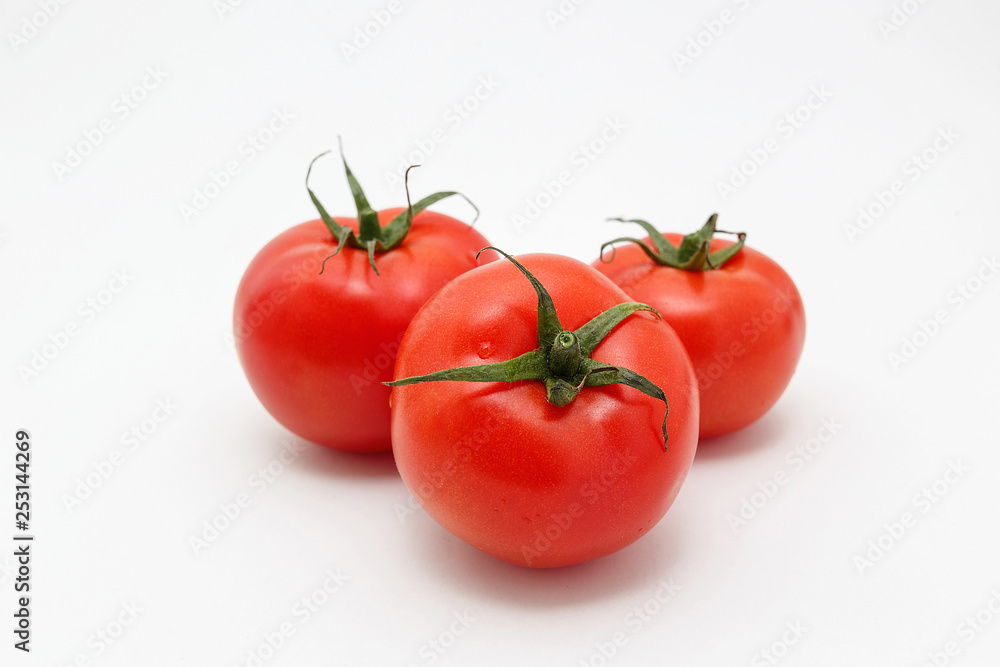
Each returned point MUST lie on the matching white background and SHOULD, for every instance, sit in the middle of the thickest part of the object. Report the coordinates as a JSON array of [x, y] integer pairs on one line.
[[686, 127]]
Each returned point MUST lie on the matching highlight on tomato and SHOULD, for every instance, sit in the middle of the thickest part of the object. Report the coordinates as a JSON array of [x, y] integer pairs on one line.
[[321, 310], [737, 312], [539, 414]]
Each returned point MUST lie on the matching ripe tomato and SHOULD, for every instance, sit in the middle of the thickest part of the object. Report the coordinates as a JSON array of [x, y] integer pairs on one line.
[[555, 471], [316, 345], [742, 322]]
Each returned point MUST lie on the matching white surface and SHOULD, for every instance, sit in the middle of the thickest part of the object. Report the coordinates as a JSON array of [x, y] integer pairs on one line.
[[164, 335]]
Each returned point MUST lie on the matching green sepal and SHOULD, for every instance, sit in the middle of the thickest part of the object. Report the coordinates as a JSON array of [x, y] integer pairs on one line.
[[562, 360], [335, 227], [528, 366], [371, 255], [600, 375], [397, 228], [368, 227], [341, 240], [694, 252], [560, 391], [594, 331], [548, 322], [371, 236]]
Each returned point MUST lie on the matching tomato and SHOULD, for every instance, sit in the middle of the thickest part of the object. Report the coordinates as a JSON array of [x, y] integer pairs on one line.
[[742, 323], [316, 334], [516, 449]]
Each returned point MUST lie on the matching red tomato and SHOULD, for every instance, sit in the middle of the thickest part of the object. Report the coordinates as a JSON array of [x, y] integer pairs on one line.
[[316, 347], [520, 478], [743, 326]]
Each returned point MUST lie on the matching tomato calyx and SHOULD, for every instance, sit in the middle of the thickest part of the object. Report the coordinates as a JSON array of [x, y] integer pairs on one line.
[[562, 359], [694, 252], [372, 236]]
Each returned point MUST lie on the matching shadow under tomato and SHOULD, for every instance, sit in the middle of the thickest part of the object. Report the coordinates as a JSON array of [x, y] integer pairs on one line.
[[326, 462], [638, 568], [756, 437]]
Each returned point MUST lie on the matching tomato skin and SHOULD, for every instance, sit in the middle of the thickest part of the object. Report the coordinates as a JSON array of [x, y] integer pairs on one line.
[[513, 475], [743, 326], [316, 348]]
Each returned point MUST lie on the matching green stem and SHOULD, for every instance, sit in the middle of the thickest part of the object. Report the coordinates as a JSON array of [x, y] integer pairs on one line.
[[564, 355]]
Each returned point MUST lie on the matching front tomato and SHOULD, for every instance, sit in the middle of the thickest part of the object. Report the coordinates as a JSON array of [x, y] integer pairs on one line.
[[315, 345], [534, 456]]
